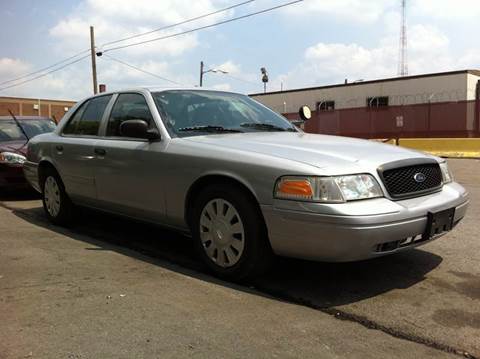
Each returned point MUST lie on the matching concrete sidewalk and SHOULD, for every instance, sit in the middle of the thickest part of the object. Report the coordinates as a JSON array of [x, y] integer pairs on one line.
[[65, 295]]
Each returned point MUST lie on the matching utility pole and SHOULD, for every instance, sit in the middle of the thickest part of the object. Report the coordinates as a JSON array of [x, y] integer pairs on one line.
[[201, 73], [94, 60]]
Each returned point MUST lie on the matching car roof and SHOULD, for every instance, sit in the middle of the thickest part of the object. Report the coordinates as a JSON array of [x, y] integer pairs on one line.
[[159, 89], [25, 118]]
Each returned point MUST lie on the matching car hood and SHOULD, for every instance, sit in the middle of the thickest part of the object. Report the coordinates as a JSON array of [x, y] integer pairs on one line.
[[321, 151], [19, 147]]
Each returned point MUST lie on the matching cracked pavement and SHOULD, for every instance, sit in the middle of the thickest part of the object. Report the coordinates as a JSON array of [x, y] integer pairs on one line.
[[110, 287]]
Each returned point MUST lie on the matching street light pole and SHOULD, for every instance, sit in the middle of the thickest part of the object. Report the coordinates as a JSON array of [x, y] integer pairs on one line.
[[263, 70], [201, 73]]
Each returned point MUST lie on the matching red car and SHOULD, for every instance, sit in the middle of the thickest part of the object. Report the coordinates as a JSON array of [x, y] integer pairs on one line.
[[14, 136]]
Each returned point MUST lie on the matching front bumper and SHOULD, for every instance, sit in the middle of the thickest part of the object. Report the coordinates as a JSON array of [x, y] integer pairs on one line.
[[11, 176], [356, 230]]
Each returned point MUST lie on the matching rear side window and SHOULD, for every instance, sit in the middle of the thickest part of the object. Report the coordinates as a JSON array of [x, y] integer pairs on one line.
[[86, 121], [128, 106]]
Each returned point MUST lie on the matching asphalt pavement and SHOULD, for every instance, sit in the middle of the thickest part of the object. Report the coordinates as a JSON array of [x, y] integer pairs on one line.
[[114, 288]]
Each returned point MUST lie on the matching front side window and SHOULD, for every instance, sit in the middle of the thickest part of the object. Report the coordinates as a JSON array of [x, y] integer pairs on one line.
[[191, 112], [86, 121], [128, 106]]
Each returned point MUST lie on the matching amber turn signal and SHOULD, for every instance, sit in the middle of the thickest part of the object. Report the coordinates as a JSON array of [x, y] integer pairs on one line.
[[292, 187]]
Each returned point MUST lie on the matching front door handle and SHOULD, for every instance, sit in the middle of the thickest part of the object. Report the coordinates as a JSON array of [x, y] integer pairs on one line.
[[100, 151], [59, 148]]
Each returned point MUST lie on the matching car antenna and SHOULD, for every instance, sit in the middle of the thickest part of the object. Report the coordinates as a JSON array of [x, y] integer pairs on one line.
[[18, 124]]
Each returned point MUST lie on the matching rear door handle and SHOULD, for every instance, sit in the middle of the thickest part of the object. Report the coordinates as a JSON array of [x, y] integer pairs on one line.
[[59, 148], [100, 151]]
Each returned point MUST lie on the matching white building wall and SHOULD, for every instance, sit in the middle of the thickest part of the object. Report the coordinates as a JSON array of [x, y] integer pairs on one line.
[[438, 88], [472, 81]]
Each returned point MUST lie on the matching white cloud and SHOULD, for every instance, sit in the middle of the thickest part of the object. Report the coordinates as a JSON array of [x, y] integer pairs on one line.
[[10, 68], [123, 18], [362, 11], [229, 66], [236, 76], [114, 20], [222, 87], [131, 77], [368, 11], [324, 62], [447, 9], [151, 12], [67, 84], [327, 63]]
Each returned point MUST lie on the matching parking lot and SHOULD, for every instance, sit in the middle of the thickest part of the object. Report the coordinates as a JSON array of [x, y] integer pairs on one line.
[[110, 287]]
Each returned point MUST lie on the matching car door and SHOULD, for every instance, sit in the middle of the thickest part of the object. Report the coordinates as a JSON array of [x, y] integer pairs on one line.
[[74, 150], [129, 175]]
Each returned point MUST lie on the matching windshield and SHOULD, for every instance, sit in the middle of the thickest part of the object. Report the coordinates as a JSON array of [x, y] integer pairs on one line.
[[9, 130], [191, 112]]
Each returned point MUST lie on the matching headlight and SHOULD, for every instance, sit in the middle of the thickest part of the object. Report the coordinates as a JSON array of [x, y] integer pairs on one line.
[[328, 189], [11, 158], [447, 176]]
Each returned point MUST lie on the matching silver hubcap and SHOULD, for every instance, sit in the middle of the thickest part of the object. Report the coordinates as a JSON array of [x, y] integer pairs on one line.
[[222, 233], [51, 194]]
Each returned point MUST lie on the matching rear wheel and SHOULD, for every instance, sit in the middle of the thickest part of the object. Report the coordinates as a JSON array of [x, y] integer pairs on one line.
[[56, 203], [229, 233]]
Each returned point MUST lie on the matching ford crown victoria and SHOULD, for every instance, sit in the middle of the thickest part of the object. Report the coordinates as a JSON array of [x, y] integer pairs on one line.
[[241, 179]]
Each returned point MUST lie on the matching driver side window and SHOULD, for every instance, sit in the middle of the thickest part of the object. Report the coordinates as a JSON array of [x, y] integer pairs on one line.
[[128, 106]]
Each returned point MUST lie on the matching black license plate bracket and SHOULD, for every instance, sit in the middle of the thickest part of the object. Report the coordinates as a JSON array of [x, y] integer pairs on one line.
[[439, 222]]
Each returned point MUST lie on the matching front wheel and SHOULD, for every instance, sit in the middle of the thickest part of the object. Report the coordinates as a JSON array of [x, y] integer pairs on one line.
[[230, 234], [56, 203]]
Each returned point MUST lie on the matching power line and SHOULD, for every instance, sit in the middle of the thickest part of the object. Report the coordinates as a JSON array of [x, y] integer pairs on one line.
[[139, 43], [45, 74], [44, 68], [142, 70], [124, 39], [178, 23], [242, 80], [203, 27]]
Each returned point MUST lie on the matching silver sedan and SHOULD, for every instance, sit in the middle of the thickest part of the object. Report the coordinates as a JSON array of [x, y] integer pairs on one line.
[[241, 179]]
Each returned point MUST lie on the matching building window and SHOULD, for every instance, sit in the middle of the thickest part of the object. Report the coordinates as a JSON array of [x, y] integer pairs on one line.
[[325, 105], [379, 101]]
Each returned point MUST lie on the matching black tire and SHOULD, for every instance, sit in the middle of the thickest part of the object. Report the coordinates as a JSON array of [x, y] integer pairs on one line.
[[64, 215], [257, 255]]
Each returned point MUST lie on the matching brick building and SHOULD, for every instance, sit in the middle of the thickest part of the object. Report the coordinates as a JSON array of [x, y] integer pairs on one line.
[[443, 104], [55, 109]]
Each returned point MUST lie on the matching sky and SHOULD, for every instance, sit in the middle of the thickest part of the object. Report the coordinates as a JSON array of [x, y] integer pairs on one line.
[[311, 43]]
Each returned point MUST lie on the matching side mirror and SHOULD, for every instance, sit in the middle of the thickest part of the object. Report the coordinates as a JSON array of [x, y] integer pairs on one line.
[[305, 113], [138, 129]]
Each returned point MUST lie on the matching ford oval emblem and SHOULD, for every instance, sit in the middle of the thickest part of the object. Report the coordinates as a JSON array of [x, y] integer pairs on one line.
[[419, 177]]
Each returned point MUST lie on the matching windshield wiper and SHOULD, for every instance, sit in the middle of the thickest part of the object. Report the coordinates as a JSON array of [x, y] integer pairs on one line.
[[266, 126], [207, 129]]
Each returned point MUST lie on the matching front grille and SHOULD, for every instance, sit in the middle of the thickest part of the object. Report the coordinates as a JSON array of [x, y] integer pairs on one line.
[[402, 182]]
